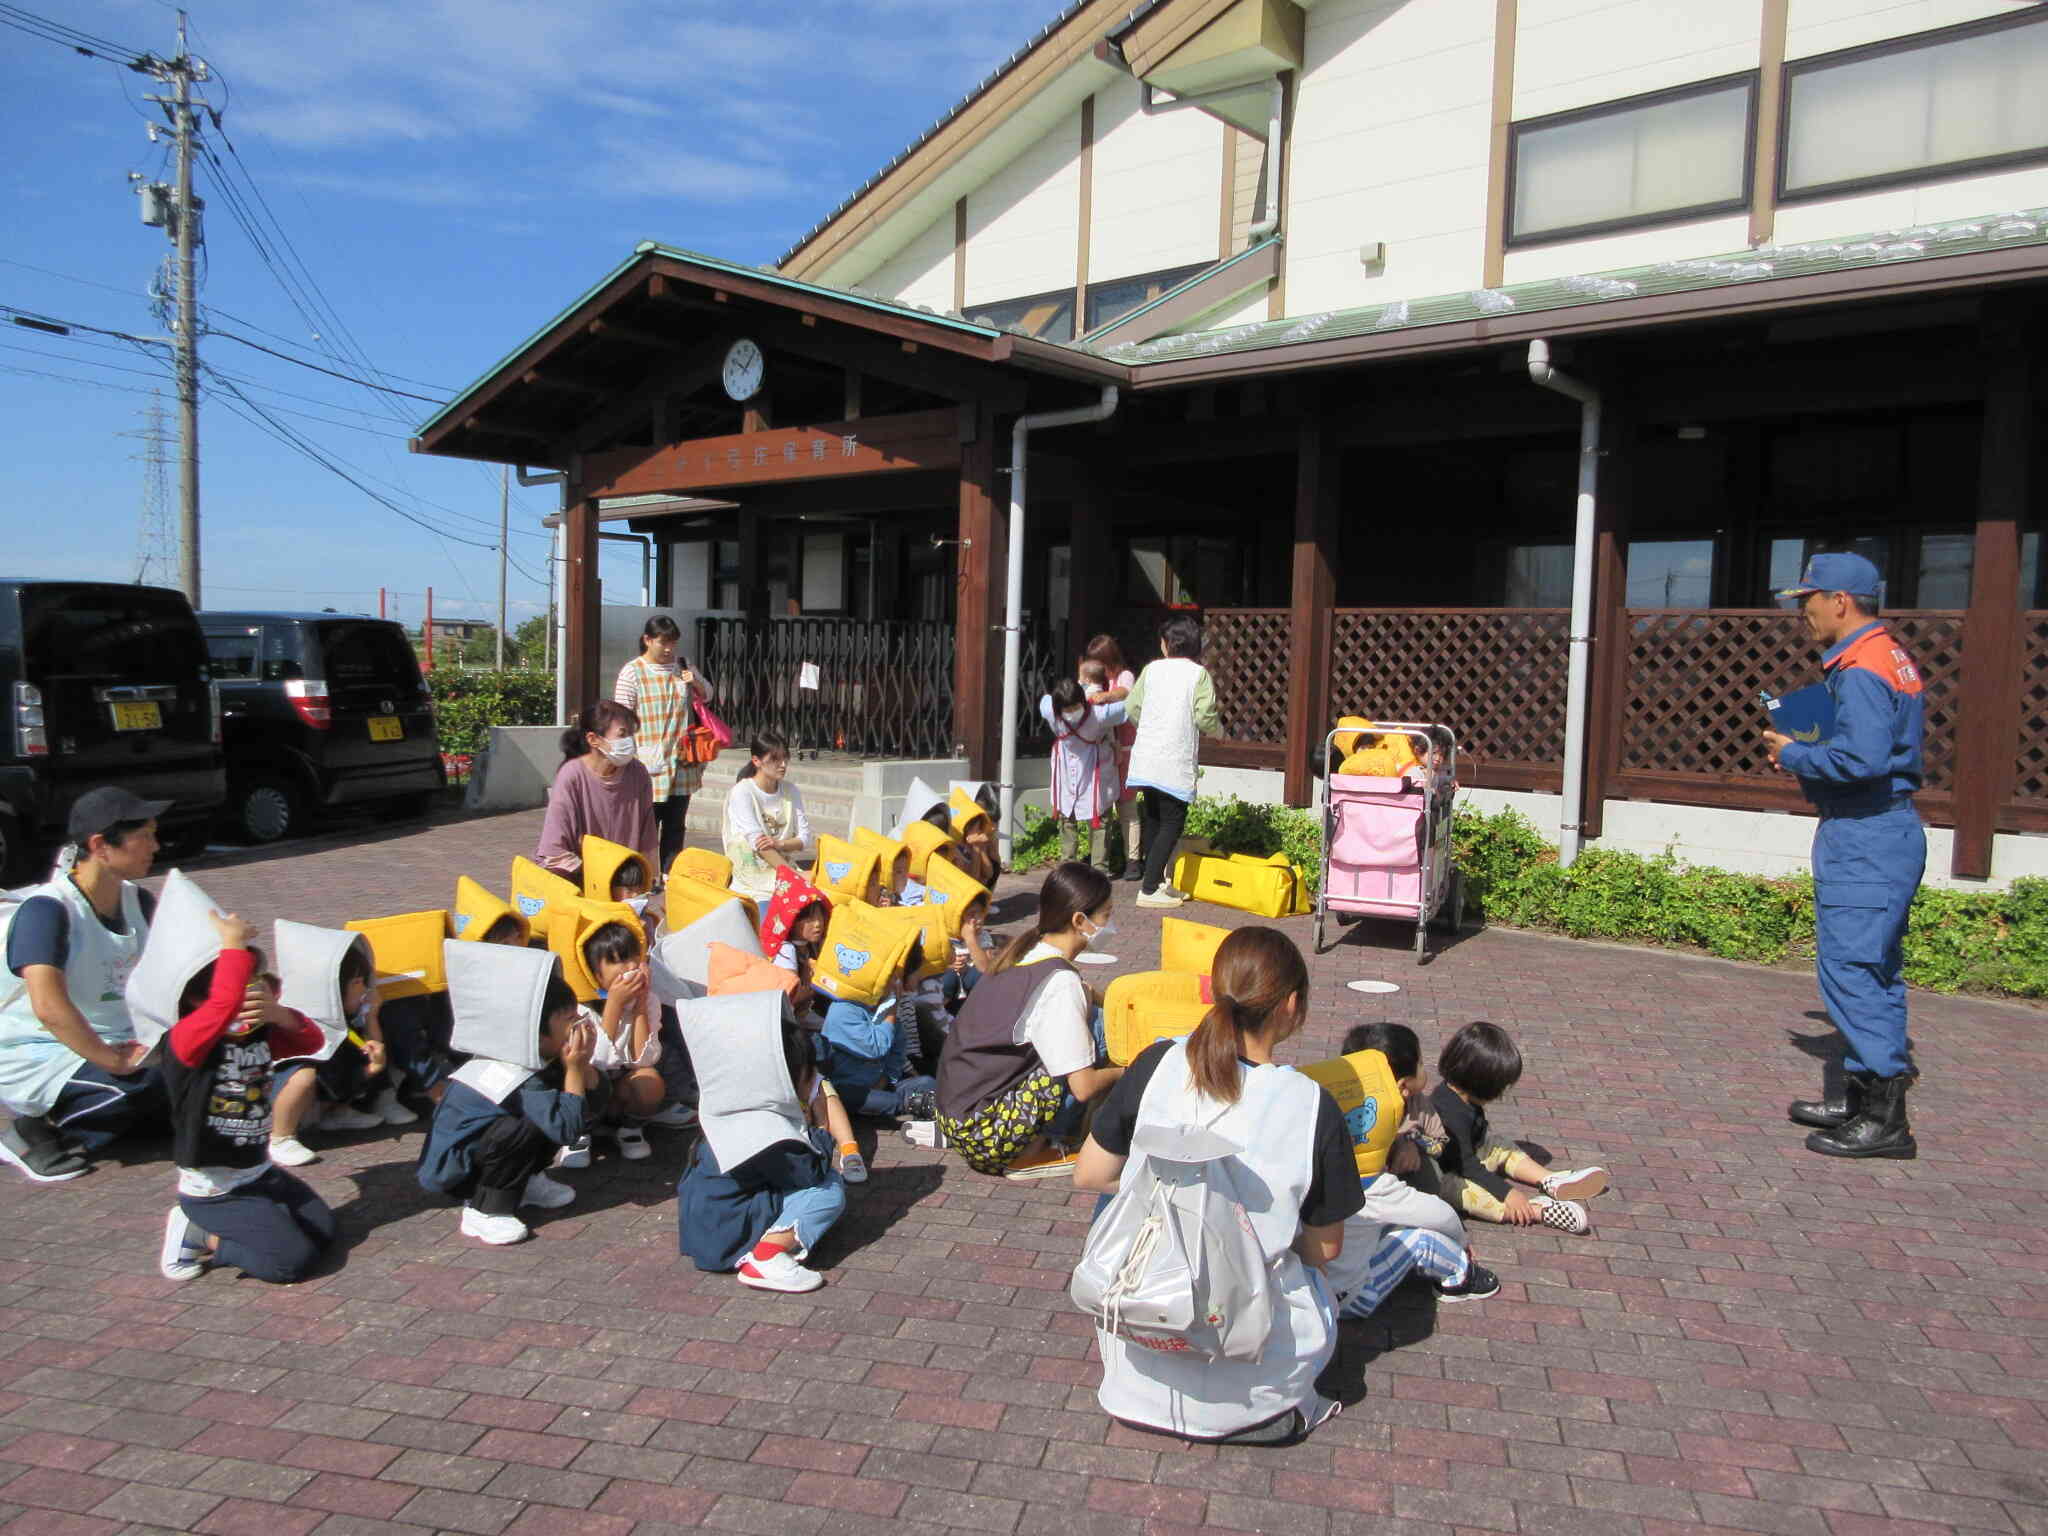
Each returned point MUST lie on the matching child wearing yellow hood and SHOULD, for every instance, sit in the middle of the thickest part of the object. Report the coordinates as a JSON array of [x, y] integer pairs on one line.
[[865, 969]]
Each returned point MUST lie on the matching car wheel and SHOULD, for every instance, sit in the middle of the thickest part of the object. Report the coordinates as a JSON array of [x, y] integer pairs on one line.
[[266, 810]]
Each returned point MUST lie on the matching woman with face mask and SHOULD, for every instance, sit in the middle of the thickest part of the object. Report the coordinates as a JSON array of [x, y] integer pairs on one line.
[[1025, 1056], [601, 789]]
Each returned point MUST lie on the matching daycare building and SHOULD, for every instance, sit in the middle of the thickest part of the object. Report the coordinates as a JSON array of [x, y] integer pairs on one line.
[[1479, 361]]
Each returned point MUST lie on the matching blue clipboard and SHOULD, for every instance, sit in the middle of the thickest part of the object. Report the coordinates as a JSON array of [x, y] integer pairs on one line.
[[1806, 715]]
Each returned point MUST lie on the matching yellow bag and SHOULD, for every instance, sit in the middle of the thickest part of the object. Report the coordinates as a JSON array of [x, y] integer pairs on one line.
[[686, 899], [1190, 947], [1366, 1091], [602, 861], [923, 840], [406, 949], [844, 872], [575, 921], [1269, 887], [1149, 1006], [701, 864], [950, 890], [476, 912], [535, 891], [863, 953], [892, 856]]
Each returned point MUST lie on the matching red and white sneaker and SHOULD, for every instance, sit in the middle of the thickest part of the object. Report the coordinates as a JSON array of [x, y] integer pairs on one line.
[[1564, 1215], [1576, 1183], [781, 1273]]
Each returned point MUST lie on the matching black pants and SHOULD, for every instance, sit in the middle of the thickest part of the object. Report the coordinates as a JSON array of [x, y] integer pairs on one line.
[[672, 815], [510, 1151], [274, 1229], [1164, 816], [96, 1108]]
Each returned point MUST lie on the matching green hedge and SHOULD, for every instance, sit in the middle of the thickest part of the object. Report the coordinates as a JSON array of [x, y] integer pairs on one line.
[[468, 704], [1959, 941]]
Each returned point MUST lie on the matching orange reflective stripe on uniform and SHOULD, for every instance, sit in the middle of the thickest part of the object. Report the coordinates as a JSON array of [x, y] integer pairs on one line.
[[1879, 652]]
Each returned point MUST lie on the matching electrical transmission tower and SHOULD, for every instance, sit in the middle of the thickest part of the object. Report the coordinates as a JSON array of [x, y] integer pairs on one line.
[[156, 548]]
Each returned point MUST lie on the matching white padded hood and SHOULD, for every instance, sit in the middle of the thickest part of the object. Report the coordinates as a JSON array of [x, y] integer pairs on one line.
[[309, 964], [497, 992], [745, 1100], [182, 943]]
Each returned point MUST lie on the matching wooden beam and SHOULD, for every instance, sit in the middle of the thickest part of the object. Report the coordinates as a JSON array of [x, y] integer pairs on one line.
[[534, 379], [1770, 96], [1988, 703], [682, 375], [1494, 265], [611, 330], [836, 450], [851, 395], [978, 563], [583, 600], [1318, 469], [1091, 589]]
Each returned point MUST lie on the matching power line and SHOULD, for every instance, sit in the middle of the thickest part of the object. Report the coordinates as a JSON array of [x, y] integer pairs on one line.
[[215, 309], [331, 373], [66, 378], [91, 46]]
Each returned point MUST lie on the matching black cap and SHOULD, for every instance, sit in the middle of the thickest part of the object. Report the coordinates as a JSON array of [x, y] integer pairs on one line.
[[98, 810]]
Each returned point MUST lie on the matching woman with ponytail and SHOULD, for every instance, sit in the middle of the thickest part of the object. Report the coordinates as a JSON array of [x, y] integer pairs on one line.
[[1295, 1145], [1025, 1054]]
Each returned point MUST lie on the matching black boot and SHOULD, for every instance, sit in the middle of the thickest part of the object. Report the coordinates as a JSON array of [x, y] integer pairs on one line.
[[1879, 1131], [1835, 1109]]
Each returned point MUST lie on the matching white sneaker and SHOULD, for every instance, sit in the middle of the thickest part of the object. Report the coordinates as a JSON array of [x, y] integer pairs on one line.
[[546, 1193], [1565, 1215], [632, 1143], [495, 1230], [290, 1152], [674, 1117], [1576, 1183], [924, 1133], [853, 1168], [184, 1255], [389, 1111], [1161, 898], [575, 1155], [346, 1117], [781, 1273], [1177, 893]]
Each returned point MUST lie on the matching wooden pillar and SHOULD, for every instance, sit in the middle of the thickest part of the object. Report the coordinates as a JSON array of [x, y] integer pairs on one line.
[[1988, 696], [584, 602], [978, 570], [1607, 698], [1091, 593], [1313, 592]]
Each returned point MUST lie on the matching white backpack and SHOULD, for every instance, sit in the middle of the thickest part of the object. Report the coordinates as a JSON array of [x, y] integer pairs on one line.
[[1173, 1264]]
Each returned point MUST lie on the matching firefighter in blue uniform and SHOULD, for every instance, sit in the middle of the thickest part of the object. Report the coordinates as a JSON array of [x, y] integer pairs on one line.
[[1868, 853]]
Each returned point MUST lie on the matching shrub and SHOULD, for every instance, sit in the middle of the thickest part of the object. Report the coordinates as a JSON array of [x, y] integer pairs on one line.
[[468, 704]]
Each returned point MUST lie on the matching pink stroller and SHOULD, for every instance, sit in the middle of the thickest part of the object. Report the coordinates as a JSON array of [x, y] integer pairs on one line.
[[1387, 841]]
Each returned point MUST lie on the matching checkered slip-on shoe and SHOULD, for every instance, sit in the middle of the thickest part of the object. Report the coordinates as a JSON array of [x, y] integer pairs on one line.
[[1564, 1215]]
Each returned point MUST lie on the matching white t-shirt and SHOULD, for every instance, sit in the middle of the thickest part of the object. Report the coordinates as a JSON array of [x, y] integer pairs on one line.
[[1056, 1024]]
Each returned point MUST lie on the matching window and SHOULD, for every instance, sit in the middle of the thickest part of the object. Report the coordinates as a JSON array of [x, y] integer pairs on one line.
[[1942, 579], [1788, 557], [1650, 160], [1671, 573], [1964, 98], [1117, 298], [2032, 576], [725, 575], [1048, 316], [1186, 571], [1538, 576], [232, 656]]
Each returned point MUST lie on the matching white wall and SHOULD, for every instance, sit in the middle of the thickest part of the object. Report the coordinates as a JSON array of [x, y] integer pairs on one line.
[[1393, 120], [1578, 53], [1638, 248], [1024, 225], [1822, 26], [922, 272], [1158, 187]]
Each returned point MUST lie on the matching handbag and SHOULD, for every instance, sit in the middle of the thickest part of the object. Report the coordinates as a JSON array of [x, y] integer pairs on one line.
[[721, 733], [696, 746]]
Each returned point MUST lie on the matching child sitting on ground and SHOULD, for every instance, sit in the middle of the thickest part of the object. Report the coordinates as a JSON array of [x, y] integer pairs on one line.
[[869, 963], [234, 1205], [527, 1091], [628, 1043], [1478, 1175], [761, 1189], [326, 1092]]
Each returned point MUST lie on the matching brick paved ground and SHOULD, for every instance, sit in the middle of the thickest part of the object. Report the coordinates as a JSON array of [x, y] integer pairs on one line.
[[1755, 1339]]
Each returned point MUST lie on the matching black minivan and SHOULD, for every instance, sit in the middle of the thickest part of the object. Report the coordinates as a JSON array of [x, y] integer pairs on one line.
[[321, 709], [103, 684]]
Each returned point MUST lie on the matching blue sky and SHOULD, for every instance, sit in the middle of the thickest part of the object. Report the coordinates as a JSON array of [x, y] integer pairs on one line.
[[449, 173]]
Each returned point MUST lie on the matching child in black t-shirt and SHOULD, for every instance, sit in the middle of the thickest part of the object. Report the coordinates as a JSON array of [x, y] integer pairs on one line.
[[235, 1206]]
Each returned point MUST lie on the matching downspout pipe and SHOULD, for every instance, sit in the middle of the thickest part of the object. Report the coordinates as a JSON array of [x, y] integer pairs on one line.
[[1013, 615], [1276, 137], [557, 554], [1570, 824]]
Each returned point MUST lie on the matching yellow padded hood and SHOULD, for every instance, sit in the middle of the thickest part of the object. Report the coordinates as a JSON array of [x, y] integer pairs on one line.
[[536, 892], [966, 811], [575, 921], [701, 864], [406, 949], [923, 840], [951, 890], [843, 871], [602, 861], [887, 851], [863, 953], [686, 899], [477, 911], [1369, 1096]]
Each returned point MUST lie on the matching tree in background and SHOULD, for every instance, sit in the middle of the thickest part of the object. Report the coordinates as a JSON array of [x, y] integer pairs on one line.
[[531, 638]]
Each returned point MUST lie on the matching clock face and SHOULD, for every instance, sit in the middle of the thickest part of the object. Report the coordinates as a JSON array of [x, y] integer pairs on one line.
[[744, 370]]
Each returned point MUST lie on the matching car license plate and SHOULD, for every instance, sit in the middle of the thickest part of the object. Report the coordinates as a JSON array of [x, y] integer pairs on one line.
[[386, 728], [137, 717]]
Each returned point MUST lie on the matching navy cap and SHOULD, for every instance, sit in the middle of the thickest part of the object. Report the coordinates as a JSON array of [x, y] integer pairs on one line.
[[1839, 572], [99, 810]]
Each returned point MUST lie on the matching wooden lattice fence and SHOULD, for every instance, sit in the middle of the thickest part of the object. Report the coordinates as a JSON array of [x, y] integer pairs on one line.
[[1694, 677], [2030, 769], [1248, 653]]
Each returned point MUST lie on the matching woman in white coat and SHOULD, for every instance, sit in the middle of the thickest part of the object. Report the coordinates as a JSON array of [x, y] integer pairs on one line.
[[1296, 1146]]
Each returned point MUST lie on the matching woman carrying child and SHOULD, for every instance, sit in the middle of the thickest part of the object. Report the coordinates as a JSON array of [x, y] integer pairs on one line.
[[601, 790], [1023, 1056], [1109, 680], [765, 825], [662, 691], [1084, 777]]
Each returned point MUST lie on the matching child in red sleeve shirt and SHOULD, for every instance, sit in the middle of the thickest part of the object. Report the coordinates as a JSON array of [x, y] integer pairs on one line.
[[234, 1206]]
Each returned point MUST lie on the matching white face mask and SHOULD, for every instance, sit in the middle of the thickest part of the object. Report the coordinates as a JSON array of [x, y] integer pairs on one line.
[[1074, 716], [618, 748], [1106, 931], [638, 904]]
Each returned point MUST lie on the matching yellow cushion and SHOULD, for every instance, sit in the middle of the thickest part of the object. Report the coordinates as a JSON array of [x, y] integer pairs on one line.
[[863, 952], [1147, 1006], [702, 864], [407, 949], [686, 899], [1366, 1091], [950, 890], [477, 911], [602, 861], [923, 840], [844, 872], [892, 856], [1186, 946], [966, 811], [935, 941], [535, 893], [575, 921]]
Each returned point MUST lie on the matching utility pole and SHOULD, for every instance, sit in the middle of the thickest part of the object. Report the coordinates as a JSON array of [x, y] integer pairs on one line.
[[504, 537], [180, 73]]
